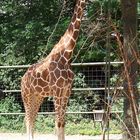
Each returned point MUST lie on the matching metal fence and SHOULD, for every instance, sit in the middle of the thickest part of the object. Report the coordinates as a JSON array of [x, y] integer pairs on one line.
[[89, 87]]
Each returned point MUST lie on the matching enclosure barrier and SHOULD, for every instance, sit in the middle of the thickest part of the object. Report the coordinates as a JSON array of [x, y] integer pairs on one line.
[[73, 89], [53, 113]]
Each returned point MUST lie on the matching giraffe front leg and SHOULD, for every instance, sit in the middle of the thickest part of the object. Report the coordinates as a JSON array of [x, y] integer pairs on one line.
[[31, 103], [29, 125], [60, 109], [28, 115]]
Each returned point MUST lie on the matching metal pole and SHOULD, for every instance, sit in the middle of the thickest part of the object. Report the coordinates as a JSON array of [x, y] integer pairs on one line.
[[73, 64]]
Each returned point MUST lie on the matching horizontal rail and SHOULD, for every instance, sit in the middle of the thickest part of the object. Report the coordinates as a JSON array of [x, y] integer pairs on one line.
[[73, 64], [53, 113], [100, 88], [15, 66], [76, 89], [95, 63]]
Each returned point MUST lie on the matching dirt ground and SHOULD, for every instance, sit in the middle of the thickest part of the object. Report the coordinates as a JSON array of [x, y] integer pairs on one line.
[[15, 136]]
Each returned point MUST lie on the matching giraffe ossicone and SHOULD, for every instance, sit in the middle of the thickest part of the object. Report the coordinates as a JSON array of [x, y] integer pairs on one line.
[[52, 76]]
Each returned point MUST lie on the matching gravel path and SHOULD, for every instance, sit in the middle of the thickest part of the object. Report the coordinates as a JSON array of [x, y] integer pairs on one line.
[[15, 136]]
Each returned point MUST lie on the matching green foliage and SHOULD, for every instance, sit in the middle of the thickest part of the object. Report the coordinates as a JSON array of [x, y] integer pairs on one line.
[[8, 104], [83, 127], [25, 27], [79, 80], [45, 124], [10, 122]]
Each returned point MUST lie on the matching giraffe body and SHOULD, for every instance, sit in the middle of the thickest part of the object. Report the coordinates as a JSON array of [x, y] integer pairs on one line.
[[52, 77]]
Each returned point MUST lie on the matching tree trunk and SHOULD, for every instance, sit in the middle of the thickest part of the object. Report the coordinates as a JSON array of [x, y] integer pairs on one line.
[[129, 13]]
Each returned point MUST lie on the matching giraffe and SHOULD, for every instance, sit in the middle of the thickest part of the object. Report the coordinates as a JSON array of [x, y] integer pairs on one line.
[[52, 76]]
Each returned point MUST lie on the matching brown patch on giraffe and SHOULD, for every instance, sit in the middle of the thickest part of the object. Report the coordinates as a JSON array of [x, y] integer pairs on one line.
[[56, 56], [62, 52], [32, 89], [44, 94], [74, 18], [45, 74], [67, 55], [61, 66], [76, 7], [52, 66], [28, 83], [64, 74], [25, 99], [82, 5], [79, 14], [41, 82], [78, 3], [54, 88], [70, 74], [63, 124], [75, 34], [59, 124], [35, 82], [52, 78], [62, 60], [79, 11], [77, 24], [46, 89], [31, 78], [57, 73], [68, 93], [60, 82], [38, 89], [58, 101], [33, 73], [72, 42], [58, 92], [26, 90], [67, 66], [38, 74], [70, 29]]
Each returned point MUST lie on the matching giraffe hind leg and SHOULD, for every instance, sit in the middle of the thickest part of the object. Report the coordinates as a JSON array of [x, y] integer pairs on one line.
[[60, 108], [32, 103]]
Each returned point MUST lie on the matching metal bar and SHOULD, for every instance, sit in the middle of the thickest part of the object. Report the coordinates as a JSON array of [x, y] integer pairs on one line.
[[7, 91], [101, 88], [74, 89], [53, 113], [94, 63], [15, 66], [73, 64]]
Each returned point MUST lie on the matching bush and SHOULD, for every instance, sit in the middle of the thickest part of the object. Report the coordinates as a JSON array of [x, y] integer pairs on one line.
[[10, 122]]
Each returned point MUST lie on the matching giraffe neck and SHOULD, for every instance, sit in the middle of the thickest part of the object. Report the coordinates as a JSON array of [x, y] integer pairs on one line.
[[74, 26], [68, 40]]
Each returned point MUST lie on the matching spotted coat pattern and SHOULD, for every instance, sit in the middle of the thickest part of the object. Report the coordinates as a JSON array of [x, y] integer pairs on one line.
[[52, 76]]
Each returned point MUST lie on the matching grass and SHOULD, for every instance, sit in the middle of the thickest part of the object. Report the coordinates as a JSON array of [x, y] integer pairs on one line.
[[46, 124]]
